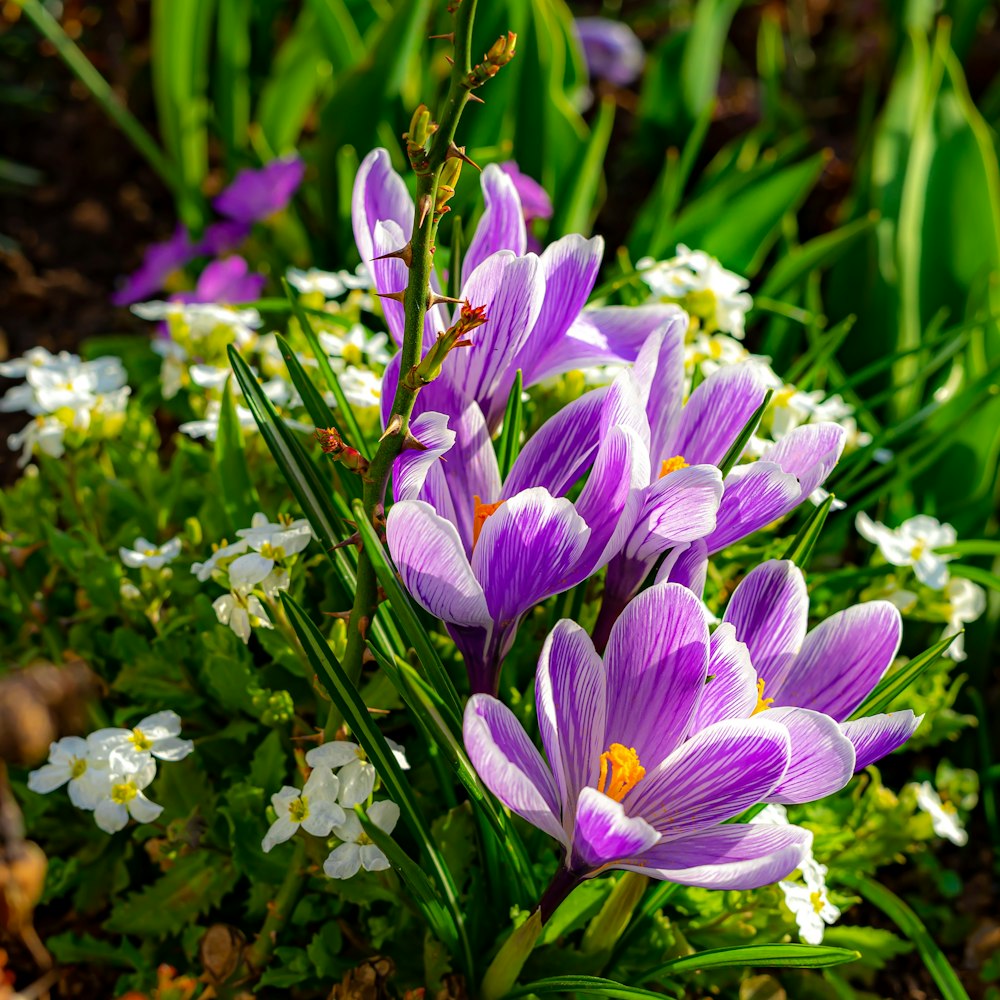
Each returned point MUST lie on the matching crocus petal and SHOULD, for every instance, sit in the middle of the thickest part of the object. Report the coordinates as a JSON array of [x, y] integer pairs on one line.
[[604, 833], [714, 776], [877, 735], [626, 328], [754, 496], [501, 226], [380, 194], [509, 764], [843, 658], [718, 410], [687, 565], [657, 661], [410, 471], [822, 759], [389, 273], [809, 453], [770, 611], [431, 560], [659, 373], [527, 551], [570, 696], [736, 856], [732, 691]]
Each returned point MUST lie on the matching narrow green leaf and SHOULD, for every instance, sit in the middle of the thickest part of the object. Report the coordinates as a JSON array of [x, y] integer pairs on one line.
[[589, 985], [239, 498], [801, 548], [910, 924], [701, 62], [509, 442], [976, 574], [739, 445], [341, 41], [971, 547], [774, 956], [232, 83], [895, 683], [319, 413], [347, 699]]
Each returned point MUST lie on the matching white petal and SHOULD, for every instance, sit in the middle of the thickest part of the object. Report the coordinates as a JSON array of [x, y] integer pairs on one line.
[[343, 862], [357, 782], [373, 859], [282, 829], [385, 815], [339, 753], [142, 810], [111, 816]]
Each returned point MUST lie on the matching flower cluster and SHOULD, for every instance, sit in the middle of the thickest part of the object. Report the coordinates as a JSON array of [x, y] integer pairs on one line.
[[69, 400], [107, 772], [341, 779]]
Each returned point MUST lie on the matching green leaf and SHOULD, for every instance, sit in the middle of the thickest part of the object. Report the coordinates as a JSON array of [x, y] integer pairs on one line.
[[341, 41], [590, 985], [345, 696], [801, 548], [976, 574], [739, 445], [232, 82], [239, 497], [910, 924], [971, 547], [509, 442], [896, 682], [701, 62], [774, 956]]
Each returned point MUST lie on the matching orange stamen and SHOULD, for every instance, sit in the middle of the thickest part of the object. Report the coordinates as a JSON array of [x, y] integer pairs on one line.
[[480, 512], [763, 704], [672, 465], [625, 771]]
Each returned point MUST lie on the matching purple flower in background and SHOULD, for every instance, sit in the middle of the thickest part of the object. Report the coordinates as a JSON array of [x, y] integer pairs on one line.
[[161, 260], [533, 303], [535, 201], [225, 281], [479, 553], [256, 194], [831, 669], [639, 775], [611, 50], [221, 237]]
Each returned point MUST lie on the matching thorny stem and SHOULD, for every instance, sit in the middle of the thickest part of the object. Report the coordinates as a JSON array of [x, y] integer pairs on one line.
[[415, 307]]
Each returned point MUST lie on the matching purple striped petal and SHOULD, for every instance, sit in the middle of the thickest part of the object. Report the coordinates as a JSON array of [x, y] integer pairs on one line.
[[809, 453], [736, 856], [714, 776], [732, 691], [380, 194], [822, 759], [432, 564], [686, 565], [877, 735], [843, 658], [509, 764], [626, 328], [755, 495], [410, 471], [717, 411], [527, 551], [678, 507], [657, 661], [659, 372], [501, 226], [603, 832], [770, 610], [582, 346], [389, 274], [570, 692]]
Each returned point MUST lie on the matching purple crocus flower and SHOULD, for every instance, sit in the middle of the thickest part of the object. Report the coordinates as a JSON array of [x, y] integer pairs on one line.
[[221, 237], [535, 201], [480, 553], [611, 50], [831, 669], [225, 281], [161, 260], [256, 194], [533, 303]]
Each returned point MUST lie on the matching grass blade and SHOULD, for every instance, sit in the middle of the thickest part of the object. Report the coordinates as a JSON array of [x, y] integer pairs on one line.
[[739, 445], [590, 985], [801, 548], [239, 498], [773, 956], [509, 442]]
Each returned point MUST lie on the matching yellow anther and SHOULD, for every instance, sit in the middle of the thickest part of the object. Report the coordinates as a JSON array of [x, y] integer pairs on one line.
[[762, 703], [782, 398], [78, 768], [672, 465], [480, 512], [621, 765], [818, 902], [299, 809], [123, 793], [140, 740]]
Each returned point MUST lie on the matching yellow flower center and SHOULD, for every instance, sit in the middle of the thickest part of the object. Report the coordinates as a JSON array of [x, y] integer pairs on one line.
[[140, 740], [123, 793], [620, 771], [818, 902], [269, 551], [298, 810], [363, 839], [763, 704], [352, 354], [672, 465], [782, 398], [918, 550], [480, 512], [78, 767]]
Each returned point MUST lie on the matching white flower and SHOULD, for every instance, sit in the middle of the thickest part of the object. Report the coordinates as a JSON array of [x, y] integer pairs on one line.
[[357, 345], [208, 426], [124, 798], [276, 540], [157, 735], [811, 907], [912, 544], [203, 318], [943, 816], [966, 602], [357, 774], [209, 376], [358, 851], [145, 553], [331, 284], [173, 367], [204, 570], [362, 387], [43, 434], [72, 760], [240, 609], [819, 496], [36, 357], [702, 286], [314, 808]]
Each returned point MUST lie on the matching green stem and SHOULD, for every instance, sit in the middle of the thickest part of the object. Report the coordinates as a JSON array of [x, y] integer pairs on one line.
[[280, 910]]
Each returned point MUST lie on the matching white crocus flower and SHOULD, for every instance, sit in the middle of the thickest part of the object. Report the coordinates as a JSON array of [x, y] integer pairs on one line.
[[145, 553], [358, 851], [239, 609], [966, 602], [944, 817], [124, 798], [357, 774], [913, 543], [157, 735], [72, 762], [314, 808], [702, 286]]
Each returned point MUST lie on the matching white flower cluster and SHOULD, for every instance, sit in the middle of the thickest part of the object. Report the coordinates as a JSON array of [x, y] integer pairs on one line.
[[330, 284], [944, 816], [325, 805], [257, 565], [914, 545], [146, 553], [66, 397], [107, 772]]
